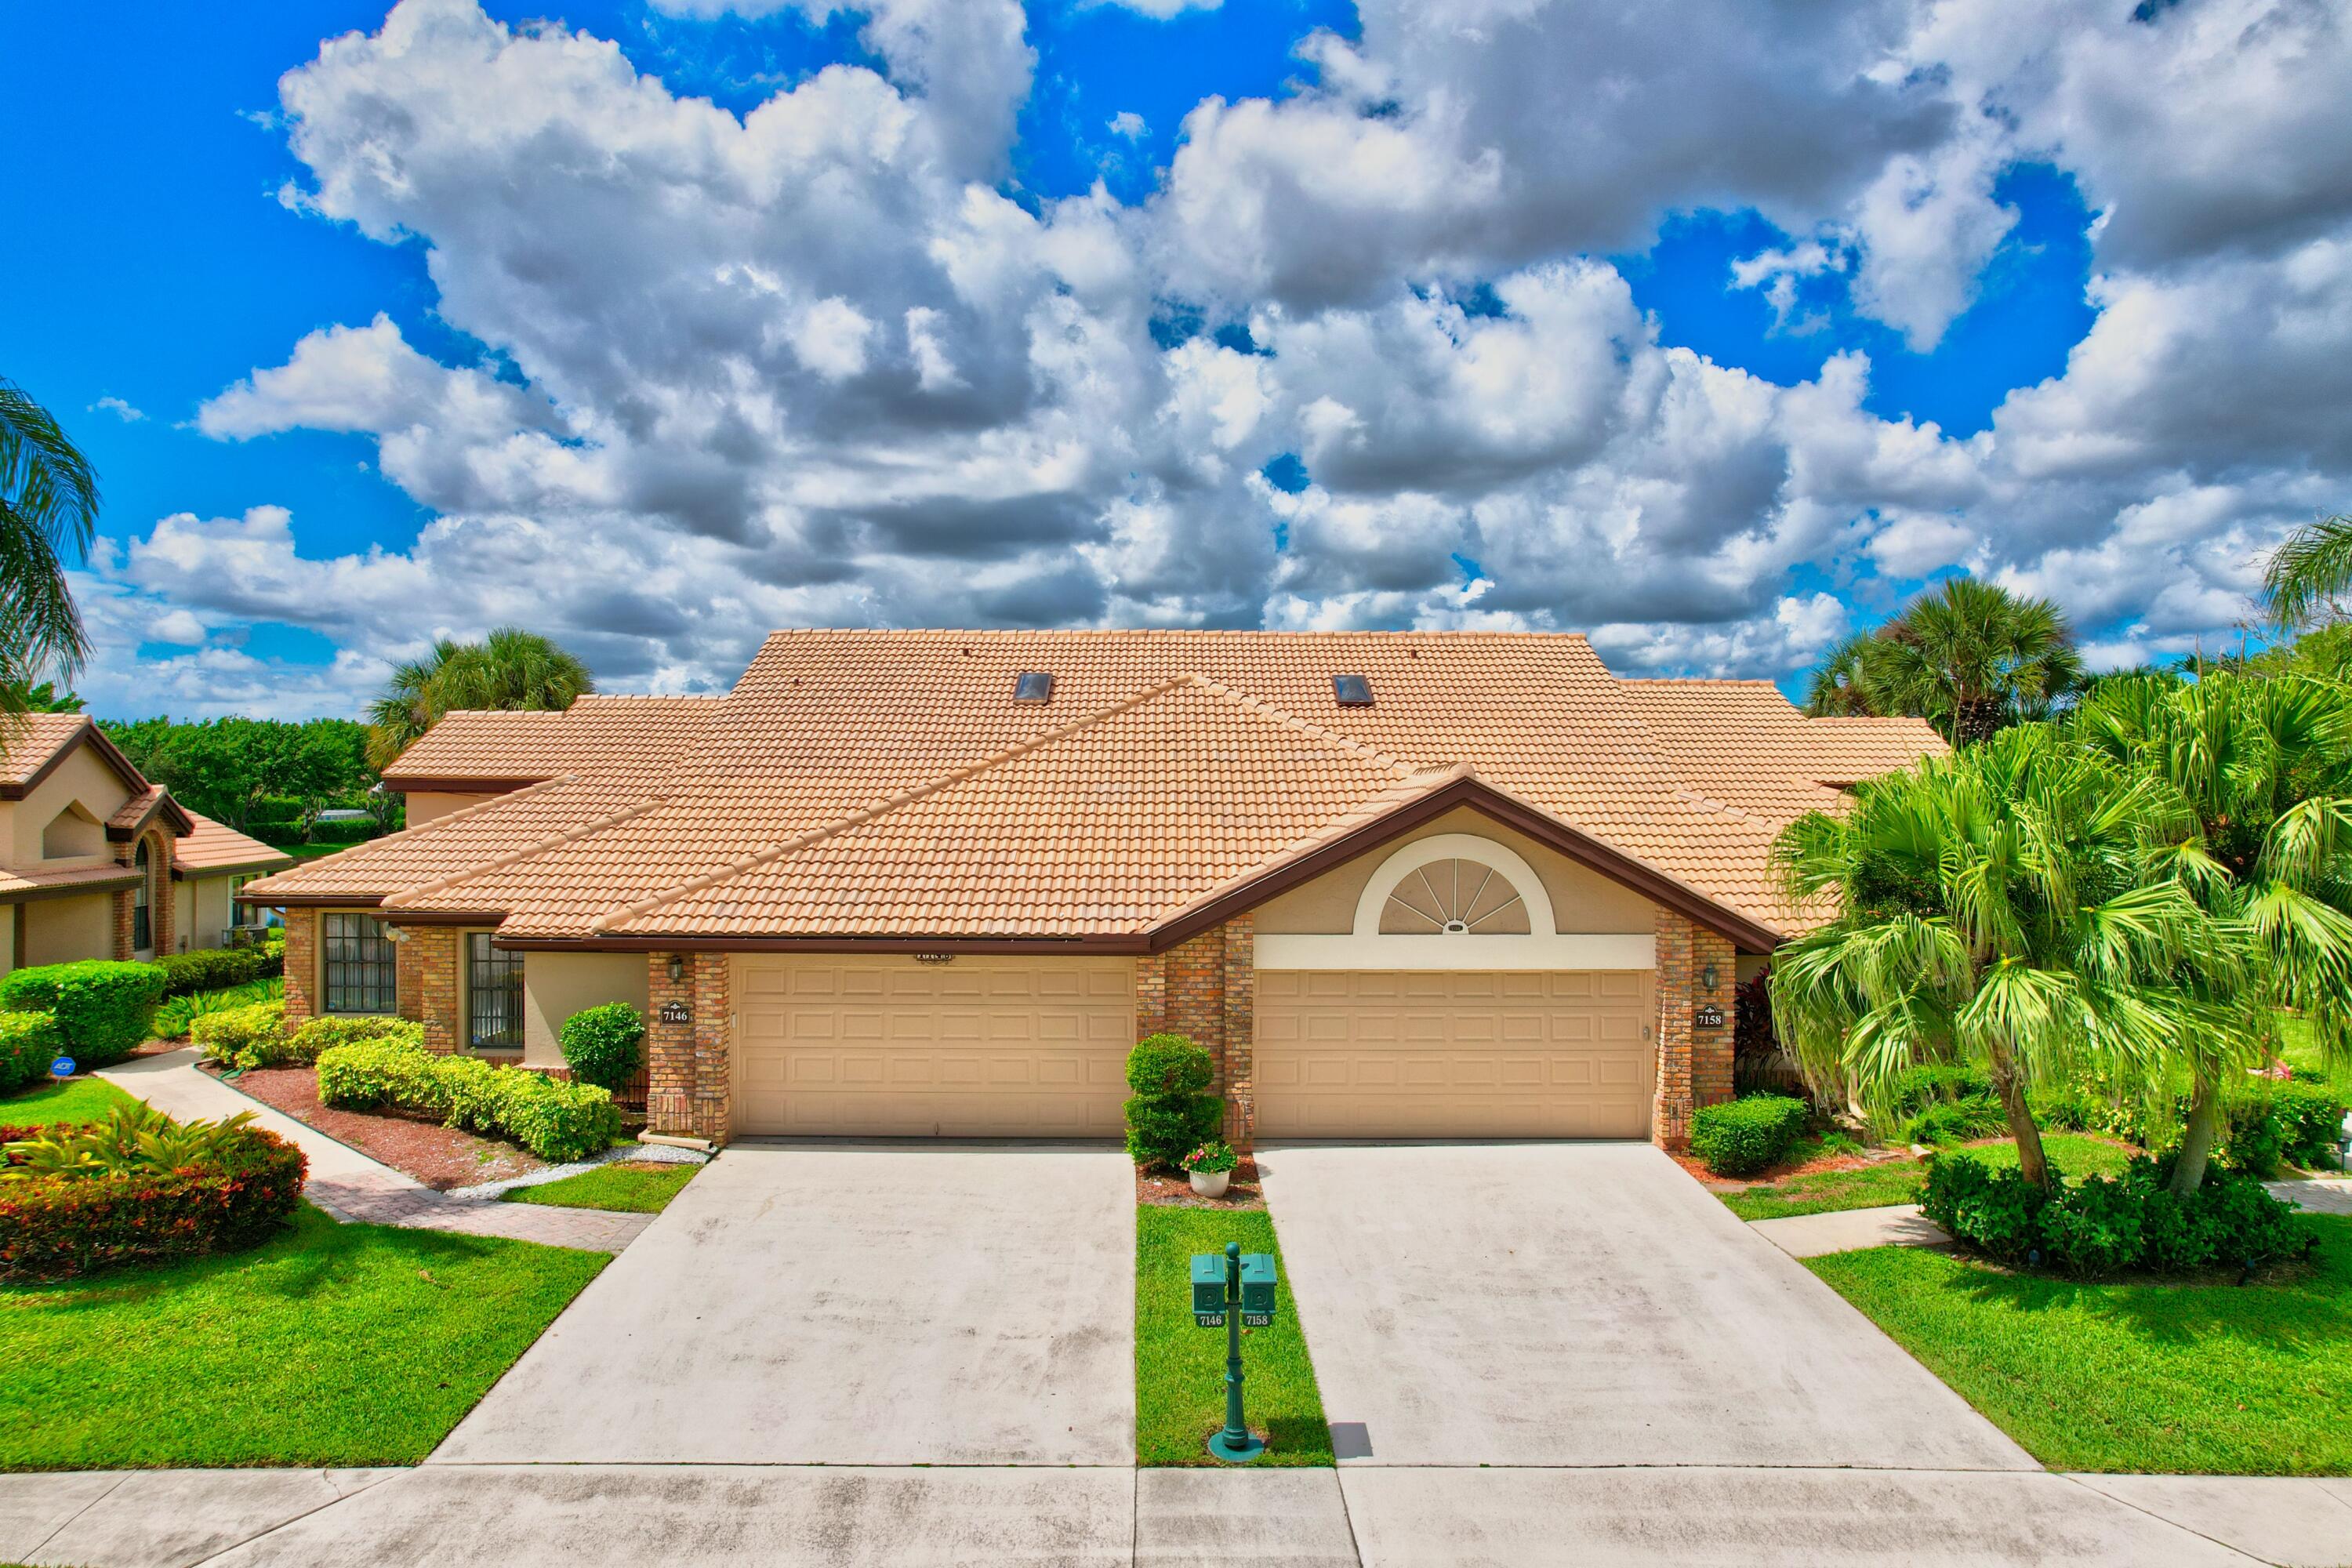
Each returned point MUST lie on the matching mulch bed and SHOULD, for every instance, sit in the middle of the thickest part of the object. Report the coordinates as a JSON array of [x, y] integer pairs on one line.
[[1167, 1190], [1787, 1168], [440, 1157]]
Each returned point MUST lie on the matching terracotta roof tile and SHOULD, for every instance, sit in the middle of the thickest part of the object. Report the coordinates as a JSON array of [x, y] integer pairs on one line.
[[878, 781], [31, 739], [213, 846]]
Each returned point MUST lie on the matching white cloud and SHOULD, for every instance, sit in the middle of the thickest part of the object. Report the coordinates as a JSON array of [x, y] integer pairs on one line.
[[119, 408], [1128, 125]]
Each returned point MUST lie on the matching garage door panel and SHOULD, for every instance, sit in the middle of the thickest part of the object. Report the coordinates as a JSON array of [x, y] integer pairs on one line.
[[980, 1047], [1452, 1053]]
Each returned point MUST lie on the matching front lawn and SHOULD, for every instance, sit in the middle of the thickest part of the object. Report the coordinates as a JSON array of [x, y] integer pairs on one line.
[[75, 1100], [335, 1344], [1180, 1368], [631, 1186], [1890, 1182], [2209, 1379]]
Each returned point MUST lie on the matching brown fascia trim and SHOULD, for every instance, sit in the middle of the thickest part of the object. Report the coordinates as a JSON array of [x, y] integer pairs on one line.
[[481, 918], [423, 784], [183, 873], [1113, 945], [71, 890], [311, 900], [108, 752], [1743, 934], [170, 809]]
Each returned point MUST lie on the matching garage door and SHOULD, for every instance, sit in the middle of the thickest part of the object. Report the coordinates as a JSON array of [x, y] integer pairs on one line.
[[1404, 1054], [978, 1048]]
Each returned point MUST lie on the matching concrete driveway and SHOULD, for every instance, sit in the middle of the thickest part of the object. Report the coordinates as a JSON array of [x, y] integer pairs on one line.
[[1585, 1304], [846, 1304]]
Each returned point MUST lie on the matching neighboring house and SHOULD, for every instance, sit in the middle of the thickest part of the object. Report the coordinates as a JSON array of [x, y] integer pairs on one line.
[[1402, 884], [96, 862]]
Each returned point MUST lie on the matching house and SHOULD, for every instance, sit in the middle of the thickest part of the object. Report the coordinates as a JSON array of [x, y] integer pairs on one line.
[[96, 862], [937, 882]]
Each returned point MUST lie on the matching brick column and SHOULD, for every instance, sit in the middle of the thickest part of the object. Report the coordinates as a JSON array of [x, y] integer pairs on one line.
[[688, 1070], [1694, 1064], [713, 1107], [120, 904], [1241, 1031], [425, 979], [301, 966], [1150, 994], [162, 916]]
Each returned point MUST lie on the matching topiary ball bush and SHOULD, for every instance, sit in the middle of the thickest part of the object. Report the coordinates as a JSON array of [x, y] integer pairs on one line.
[[605, 1046], [1169, 1064], [28, 1043], [1740, 1137], [103, 1009]]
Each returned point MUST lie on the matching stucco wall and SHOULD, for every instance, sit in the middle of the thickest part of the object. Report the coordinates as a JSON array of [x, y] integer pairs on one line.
[[1582, 900], [209, 912], [557, 985], [80, 777], [60, 931], [424, 805]]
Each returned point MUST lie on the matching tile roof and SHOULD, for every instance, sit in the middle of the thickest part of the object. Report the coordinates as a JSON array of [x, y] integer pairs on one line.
[[15, 885], [30, 740], [139, 807], [215, 847], [877, 781]]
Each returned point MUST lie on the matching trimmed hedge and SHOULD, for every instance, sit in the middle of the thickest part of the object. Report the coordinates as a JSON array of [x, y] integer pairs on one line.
[[1740, 1137], [604, 1045], [241, 1038], [102, 1009], [554, 1120], [1169, 1116], [324, 1034], [28, 1043], [218, 968], [2103, 1226], [58, 1229]]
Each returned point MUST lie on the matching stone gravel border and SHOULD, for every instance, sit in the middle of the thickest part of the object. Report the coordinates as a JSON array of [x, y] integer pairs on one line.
[[643, 1154]]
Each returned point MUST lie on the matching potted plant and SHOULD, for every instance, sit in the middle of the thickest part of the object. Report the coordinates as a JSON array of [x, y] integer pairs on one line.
[[1211, 1165]]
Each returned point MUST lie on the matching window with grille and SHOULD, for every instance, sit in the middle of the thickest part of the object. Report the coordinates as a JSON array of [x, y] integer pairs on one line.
[[143, 926], [493, 995], [357, 964]]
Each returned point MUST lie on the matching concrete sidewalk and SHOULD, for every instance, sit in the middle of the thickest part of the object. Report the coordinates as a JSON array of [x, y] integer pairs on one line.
[[589, 1516], [1851, 1230], [352, 1187]]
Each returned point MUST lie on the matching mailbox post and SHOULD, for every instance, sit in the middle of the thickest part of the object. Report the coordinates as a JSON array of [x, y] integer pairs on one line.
[[1233, 1292]]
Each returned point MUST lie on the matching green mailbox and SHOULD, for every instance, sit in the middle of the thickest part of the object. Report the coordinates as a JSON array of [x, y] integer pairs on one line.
[[1258, 1289], [1208, 1290]]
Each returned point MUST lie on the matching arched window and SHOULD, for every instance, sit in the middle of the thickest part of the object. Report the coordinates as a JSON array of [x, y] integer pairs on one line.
[[1454, 897], [143, 927]]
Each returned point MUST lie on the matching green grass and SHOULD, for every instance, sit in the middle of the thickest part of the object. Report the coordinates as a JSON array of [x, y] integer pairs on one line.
[[334, 1344], [627, 1186], [2297, 1047], [1180, 1368], [2207, 1379], [1897, 1180], [75, 1100]]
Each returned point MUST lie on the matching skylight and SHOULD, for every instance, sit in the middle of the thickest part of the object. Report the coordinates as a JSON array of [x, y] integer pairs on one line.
[[1034, 685], [1351, 690]]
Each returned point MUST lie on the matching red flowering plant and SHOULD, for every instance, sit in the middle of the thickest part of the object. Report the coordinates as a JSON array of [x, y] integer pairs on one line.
[[1211, 1158]]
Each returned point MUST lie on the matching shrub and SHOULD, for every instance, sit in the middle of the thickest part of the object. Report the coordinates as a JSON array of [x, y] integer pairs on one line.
[[2113, 1226], [215, 969], [554, 1120], [2251, 1139], [325, 1034], [1170, 1114], [177, 1015], [102, 1009], [604, 1046], [1942, 1102], [28, 1043], [2311, 1121], [241, 1188], [241, 1038], [1740, 1137]]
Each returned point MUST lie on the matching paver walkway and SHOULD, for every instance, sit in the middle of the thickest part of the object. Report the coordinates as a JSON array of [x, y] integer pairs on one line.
[[351, 1187], [693, 1516], [2321, 1194]]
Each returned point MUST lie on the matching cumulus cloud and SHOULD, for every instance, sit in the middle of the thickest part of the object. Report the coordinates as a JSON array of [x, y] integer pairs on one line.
[[813, 363], [119, 408]]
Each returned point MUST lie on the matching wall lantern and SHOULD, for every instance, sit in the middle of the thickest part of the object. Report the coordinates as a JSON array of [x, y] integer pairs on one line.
[[677, 968], [1706, 978]]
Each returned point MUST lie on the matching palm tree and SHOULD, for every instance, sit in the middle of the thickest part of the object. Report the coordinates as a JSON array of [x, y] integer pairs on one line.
[[49, 510], [2310, 574], [1992, 908], [511, 669], [1968, 656], [2260, 769]]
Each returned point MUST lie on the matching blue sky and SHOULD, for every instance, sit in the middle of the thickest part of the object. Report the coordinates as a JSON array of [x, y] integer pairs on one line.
[[166, 270]]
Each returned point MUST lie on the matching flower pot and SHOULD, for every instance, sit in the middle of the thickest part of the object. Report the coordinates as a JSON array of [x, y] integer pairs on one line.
[[1210, 1184]]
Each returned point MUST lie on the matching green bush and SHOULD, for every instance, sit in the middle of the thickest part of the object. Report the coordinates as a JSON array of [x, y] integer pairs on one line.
[[217, 968], [1170, 1115], [2113, 1226], [2311, 1121], [605, 1046], [175, 1016], [1740, 1137], [102, 1009], [554, 1120], [241, 1185], [2252, 1137], [29, 1042], [324, 1034], [1941, 1102], [242, 1039], [1915, 1089]]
